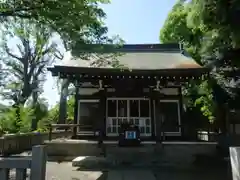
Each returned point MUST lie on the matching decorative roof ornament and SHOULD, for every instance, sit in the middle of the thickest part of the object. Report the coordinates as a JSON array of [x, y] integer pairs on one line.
[[100, 85], [157, 88]]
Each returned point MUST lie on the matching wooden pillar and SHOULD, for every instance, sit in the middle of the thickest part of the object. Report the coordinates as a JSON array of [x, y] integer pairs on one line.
[[227, 118], [158, 117], [151, 95], [76, 108], [181, 110], [102, 113]]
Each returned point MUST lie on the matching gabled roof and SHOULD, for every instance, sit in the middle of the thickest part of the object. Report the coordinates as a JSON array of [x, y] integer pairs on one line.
[[136, 57]]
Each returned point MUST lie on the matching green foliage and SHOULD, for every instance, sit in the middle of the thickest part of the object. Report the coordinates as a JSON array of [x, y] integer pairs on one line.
[[75, 20], [177, 28], [205, 101], [46, 117], [208, 29], [51, 118], [53, 115], [78, 22], [70, 108], [8, 120]]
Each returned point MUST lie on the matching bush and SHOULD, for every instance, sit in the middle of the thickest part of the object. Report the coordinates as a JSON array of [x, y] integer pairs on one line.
[[9, 123]]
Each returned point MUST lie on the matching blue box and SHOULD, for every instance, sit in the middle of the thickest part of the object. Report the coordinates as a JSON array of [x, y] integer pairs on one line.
[[130, 135]]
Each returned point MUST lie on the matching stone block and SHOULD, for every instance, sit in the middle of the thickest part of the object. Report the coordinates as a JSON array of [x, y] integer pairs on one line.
[[235, 162], [89, 161]]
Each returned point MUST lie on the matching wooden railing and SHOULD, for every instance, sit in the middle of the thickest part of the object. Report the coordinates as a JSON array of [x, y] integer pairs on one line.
[[207, 136], [70, 128], [36, 164], [17, 143]]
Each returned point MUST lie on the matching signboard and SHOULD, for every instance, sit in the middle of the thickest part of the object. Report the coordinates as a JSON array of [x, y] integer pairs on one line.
[[130, 135]]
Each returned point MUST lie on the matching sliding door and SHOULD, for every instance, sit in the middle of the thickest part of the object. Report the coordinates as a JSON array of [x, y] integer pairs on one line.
[[170, 117], [133, 110]]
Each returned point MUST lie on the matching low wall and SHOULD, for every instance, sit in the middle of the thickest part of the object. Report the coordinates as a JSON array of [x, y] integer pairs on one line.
[[69, 148], [17, 143]]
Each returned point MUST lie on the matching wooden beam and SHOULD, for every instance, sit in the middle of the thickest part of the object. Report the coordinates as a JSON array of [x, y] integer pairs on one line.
[[168, 77], [76, 108], [10, 163]]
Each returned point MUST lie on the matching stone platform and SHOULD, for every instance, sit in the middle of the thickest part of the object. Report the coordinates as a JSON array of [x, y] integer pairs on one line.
[[151, 154]]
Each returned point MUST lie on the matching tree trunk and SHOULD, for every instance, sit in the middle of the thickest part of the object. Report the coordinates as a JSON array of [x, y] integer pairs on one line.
[[34, 106], [17, 117]]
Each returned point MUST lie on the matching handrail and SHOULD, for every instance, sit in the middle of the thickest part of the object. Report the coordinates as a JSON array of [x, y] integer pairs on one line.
[[69, 125], [65, 127]]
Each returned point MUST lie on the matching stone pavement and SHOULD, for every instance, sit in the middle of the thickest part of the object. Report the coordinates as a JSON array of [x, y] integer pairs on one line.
[[65, 171], [130, 175]]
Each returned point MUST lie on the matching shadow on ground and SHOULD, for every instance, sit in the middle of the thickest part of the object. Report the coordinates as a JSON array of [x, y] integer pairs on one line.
[[204, 167], [199, 162]]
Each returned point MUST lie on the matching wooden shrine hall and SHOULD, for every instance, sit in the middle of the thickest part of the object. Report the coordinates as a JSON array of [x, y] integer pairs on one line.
[[144, 91]]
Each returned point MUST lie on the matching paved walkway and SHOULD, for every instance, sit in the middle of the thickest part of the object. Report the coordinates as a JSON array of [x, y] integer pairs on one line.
[[130, 175], [65, 171]]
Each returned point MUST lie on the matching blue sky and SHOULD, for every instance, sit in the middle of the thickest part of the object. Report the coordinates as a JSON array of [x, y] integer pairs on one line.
[[135, 21]]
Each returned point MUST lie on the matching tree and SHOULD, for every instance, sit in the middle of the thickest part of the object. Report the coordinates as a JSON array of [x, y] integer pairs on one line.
[[8, 124], [27, 49], [211, 25], [75, 20], [79, 23], [219, 19], [52, 116], [176, 29]]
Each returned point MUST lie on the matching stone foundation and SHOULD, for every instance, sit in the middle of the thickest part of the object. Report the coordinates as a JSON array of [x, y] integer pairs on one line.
[[72, 148], [180, 154]]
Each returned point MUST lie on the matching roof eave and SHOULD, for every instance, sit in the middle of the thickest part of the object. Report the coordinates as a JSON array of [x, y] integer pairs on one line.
[[85, 70]]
